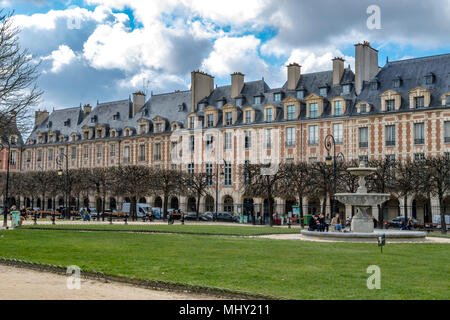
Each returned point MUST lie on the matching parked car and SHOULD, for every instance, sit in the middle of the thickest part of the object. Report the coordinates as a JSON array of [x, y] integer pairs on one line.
[[226, 217], [93, 212], [193, 216], [175, 214], [208, 216], [437, 221], [397, 222], [142, 209]]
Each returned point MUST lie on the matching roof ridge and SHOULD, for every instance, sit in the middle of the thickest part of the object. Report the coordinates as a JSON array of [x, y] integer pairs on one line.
[[111, 102], [172, 92], [419, 58]]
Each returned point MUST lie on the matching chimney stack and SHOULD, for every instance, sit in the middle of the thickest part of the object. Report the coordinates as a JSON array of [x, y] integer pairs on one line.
[[293, 75], [366, 64], [202, 84], [138, 101], [237, 83], [40, 117], [87, 109], [338, 70]]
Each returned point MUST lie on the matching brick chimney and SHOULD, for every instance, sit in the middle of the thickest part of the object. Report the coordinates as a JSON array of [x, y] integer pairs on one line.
[[293, 75], [202, 84], [138, 101], [366, 64], [87, 109], [338, 70], [40, 117], [237, 83]]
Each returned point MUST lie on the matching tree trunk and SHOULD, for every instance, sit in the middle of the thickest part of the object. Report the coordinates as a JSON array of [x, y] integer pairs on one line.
[[197, 209], [133, 209], [300, 204], [405, 208], [166, 199], [441, 205], [381, 215]]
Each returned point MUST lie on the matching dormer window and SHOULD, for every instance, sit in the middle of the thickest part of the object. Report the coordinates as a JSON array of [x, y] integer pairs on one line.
[[181, 107], [301, 94], [146, 112], [67, 123], [363, 108], [49, 124], [202, 106], [239, 101], [269, 115], [85, 135], [374, 85], [277, 96], [220, 103], [429, 78], [338, 108], [390, 105], [447, 100], [94, 119], [210, 120], [346, 88], [323, 91], [159, 127], [397, 82], [419, 102], [291, 112], [116, 116], [142, 129], [229, 118], [257, 100], [313, 110]]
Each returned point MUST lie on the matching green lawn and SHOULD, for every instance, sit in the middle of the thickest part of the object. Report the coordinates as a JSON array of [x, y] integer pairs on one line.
[[178, 228], [439, 235], [294, 269]]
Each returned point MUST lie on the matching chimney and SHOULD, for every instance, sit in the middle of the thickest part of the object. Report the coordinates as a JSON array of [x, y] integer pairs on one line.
[[366, 64], [338, 70], [237, 83], [202, 84], [87, 109], [40, 117], [293, 75], [138, 101]]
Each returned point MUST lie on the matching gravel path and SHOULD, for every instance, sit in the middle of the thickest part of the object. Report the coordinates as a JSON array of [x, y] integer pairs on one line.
[[24, 284]]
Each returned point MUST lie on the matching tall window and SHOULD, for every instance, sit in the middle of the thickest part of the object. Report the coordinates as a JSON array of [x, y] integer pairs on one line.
[[363, 108], [313, 137], [268, 139], [390, 105], [157, 154], [323, 92], [99, 151], [338, 108], [61, 154], [209, 174], [28, 156], [73, 153], [191, 143], [86, 152], [390, 135], [210, 120], [247, 139], [313, 110], [300, 94], [447, 131], [277, 97], [447, 100], [338, 132], [363, 137], [291, 112], [13, 158], [192, 122], [419, 133], [50, 154], [39, 155], [290, 136], [227, 144], [269, 114], [419, 156], [248, 116], [257, 100], [363, 159], [229, 118], [142, 152], [126, 155], [419, 102], [113, 150], [209, 142], [191, 168], [227, 174]]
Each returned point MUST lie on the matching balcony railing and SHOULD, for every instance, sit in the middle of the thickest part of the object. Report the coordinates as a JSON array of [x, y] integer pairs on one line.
[[419, 141], [390, 143]]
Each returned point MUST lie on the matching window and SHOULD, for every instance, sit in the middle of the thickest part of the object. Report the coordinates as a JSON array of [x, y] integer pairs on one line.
[[346, 89], [209, 142], [447, 131], [363, 137], [257, 100], [13, 158], [313, 110], [50, 154], [209, 174], [374, 85], [338, 108], [238, 102], [390, 105], [323, 91], [419, 102], [290, 137], [291, 112], [116, 116], [277, 97], [201, 106], [39, 155], [142, 152], [86, 152], [157, 154], [419, 133], [192, 122], [67, 123], [28, 156], [94, 119], [227, 174], [363, 159], [248, 116], [61, 154], [126, 155], [313, 135], [191, 168], [227, 145], [113, 150], [191, 143], [247, 139], [338, 132], [269, 115], [429, 79], [447, 100], [447, 155], [363, 108], [73, 152], [390, 135], [99, 151], [301, 94], [220, 103], [210, 120], [419, 156], [229, 118], [268, 138], [390, 158], [396, 83]]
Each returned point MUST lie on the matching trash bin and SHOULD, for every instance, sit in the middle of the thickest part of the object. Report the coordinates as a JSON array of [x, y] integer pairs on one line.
[[241, 219], [245, 219], [307, 217], [15, 219]]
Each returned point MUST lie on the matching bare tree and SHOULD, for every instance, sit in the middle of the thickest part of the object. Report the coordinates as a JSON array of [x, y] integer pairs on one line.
[[165, 182], [18, 74], [100, 181], [197, 185], [404, 181], [321, 181]]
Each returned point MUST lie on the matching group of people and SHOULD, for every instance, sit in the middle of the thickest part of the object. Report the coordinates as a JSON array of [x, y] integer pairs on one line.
[[318, 223], [85, 214]]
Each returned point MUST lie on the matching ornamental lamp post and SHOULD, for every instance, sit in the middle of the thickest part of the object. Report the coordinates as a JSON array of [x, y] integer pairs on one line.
[[329, 143], [59, 161]]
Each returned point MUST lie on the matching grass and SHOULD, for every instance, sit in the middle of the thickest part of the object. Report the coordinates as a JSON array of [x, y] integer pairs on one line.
[[294, 269], [178, 228], [439, 235]]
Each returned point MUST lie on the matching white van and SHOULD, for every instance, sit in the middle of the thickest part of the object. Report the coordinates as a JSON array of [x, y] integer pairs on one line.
[[142, 209], [437, 221]]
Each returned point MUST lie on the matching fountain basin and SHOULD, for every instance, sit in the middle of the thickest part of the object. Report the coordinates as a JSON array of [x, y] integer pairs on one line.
[[362, 199], [391, 236]]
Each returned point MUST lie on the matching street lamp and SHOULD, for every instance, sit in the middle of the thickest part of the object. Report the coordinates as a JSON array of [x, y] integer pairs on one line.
[[217, 187], [59, 162], [329, 143], [5, 204]]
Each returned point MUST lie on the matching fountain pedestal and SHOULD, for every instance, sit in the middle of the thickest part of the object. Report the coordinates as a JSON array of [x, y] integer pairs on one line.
[[361, 222]]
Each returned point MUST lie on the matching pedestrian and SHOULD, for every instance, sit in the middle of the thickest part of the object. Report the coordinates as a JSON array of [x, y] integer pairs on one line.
[[337, 223], [375, 222], [322, 223], [88, 214], [23, 215]]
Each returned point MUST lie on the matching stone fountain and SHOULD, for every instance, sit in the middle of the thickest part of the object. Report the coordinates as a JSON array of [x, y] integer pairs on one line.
[[362, 224]]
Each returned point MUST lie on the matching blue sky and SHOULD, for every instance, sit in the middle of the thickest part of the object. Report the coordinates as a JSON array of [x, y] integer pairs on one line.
[[103, 50]]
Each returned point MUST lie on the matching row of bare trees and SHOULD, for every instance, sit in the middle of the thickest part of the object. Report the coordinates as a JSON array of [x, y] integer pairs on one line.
[[429, 177]]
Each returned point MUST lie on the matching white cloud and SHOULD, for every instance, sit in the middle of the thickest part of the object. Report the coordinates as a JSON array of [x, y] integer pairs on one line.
[[63, 56], [318, 60]]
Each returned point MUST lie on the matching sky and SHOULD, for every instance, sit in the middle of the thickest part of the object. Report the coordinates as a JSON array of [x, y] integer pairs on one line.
[[103, 50]]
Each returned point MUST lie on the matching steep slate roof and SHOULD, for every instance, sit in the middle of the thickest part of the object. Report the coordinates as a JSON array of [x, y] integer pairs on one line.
[[412, 73], [167, 106], [57, 119]]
